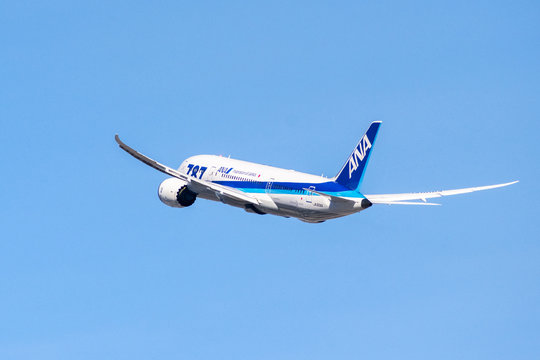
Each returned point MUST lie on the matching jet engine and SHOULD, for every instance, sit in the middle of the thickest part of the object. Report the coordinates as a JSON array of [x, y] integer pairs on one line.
[[174, 192]]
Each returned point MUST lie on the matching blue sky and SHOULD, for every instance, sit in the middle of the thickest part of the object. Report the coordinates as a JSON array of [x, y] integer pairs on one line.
[[92, 265]]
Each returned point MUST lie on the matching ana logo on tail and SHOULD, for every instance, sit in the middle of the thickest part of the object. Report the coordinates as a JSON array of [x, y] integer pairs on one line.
[[359, 154], [353, 170]]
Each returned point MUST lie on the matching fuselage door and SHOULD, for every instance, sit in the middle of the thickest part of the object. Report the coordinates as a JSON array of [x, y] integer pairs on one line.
[[212, 173], [269, 184], [309, 195]]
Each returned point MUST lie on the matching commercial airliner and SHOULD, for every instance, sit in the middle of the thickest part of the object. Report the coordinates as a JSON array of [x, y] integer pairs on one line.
[[263, 189]]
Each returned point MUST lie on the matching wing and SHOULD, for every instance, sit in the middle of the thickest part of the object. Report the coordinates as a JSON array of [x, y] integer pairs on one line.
[[196, 185], [145, 159], [330, 197], [401, 199]]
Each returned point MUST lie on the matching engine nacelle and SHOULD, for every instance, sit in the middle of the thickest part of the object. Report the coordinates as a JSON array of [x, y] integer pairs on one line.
[[174, 192]]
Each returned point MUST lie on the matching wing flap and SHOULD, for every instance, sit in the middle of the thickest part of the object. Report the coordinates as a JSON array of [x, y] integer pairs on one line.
[[222, 190]]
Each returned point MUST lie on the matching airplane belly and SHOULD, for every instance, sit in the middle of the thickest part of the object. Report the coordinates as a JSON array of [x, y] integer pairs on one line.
[[294, 206]]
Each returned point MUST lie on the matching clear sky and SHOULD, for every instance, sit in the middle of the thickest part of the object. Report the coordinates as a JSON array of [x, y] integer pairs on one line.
[[93, 266]]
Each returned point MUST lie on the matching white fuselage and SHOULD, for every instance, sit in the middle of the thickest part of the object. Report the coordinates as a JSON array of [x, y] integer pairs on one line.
[[263, 189], [279, 191]]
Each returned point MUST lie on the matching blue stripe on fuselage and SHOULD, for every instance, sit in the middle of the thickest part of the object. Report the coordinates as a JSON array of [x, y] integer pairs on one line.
[[292, 188]]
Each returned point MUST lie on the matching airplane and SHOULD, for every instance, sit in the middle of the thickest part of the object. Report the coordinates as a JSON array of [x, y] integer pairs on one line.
[[263, 189]]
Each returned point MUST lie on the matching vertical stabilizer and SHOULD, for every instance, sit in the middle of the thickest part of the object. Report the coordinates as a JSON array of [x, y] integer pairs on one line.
[[352, 173]]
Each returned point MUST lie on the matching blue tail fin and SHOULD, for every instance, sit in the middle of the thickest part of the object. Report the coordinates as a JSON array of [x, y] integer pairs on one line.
[[352, 172]]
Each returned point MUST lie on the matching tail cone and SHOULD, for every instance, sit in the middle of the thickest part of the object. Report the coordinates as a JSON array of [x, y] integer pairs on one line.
[[365, 203]]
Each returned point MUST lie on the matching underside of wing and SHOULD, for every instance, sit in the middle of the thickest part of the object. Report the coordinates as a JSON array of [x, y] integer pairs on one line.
[[150, 162], [403, 199], [222, 191], [330, 197], [196, 185]]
